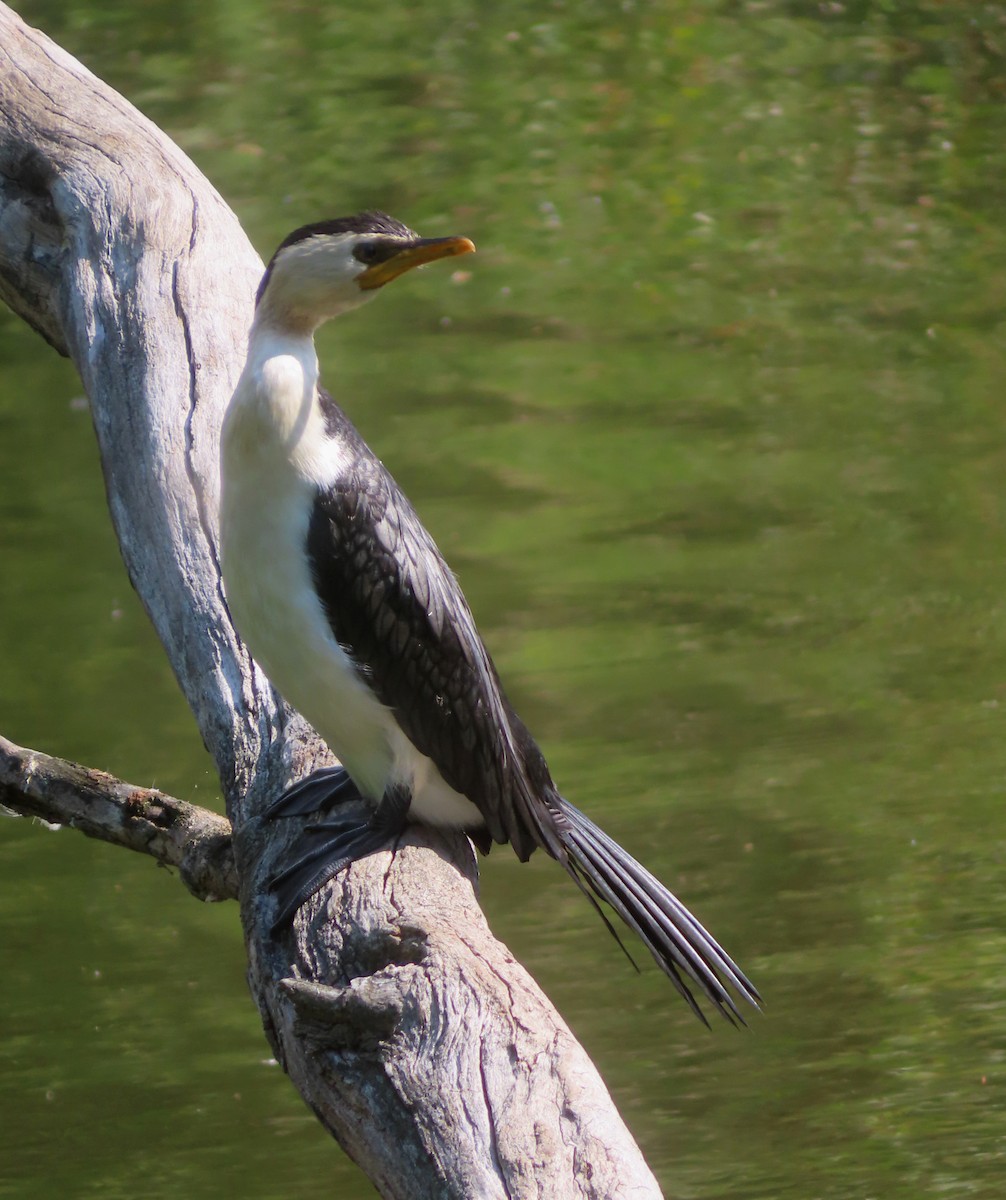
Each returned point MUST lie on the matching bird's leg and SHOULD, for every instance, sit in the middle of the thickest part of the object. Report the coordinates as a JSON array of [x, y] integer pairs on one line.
[[353, 839], [319, 792]]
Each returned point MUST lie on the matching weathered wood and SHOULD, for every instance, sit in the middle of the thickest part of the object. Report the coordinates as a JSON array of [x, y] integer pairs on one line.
[[174, 832], [420, 1043]]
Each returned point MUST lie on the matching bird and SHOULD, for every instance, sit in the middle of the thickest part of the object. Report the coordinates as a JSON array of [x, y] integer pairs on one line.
[[344, 600]]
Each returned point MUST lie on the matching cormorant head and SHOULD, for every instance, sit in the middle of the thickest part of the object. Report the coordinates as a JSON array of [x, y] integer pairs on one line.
[[321, 270]]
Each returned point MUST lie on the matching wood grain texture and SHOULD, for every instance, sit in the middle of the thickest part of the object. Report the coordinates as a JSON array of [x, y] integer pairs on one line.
[[421, 1044], [175, 833]]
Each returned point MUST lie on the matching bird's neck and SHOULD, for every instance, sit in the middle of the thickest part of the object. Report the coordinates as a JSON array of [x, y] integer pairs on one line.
[[275, 413], [270, 341], [299, 295], [282, 371]]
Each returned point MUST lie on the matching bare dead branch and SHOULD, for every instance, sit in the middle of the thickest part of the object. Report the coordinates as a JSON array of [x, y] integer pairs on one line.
[[195, 840]]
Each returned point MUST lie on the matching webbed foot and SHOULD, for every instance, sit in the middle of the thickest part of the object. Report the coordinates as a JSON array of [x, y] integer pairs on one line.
[[328, 847], [318, 792]]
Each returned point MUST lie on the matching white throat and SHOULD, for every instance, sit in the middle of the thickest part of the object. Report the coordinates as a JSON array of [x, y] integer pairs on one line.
[[274, 426]]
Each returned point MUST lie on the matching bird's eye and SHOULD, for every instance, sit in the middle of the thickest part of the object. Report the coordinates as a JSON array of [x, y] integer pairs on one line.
[[366, 252]]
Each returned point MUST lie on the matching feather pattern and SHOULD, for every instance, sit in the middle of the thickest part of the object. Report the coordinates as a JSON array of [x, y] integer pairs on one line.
[[398, 612]]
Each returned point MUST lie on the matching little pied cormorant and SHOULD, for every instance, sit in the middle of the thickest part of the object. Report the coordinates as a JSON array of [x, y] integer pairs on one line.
[[347, 604]]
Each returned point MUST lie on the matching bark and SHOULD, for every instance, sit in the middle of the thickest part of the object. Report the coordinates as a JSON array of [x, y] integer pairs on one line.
[[174, 832], [421, 1044]]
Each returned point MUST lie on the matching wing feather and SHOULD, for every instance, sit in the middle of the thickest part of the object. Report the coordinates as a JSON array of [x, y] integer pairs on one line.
[[398, 611]]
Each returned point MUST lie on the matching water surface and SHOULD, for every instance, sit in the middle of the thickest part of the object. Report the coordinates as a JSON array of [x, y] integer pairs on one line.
[[712, 430]]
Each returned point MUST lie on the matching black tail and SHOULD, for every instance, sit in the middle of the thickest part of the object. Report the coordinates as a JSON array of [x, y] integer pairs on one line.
[[676, 940]]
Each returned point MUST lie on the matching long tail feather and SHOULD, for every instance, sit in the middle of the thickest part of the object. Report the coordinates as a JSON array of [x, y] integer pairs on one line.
[[683, 949]]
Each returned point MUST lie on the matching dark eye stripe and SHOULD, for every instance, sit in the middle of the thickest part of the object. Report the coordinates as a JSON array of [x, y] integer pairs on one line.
[[379, 250]]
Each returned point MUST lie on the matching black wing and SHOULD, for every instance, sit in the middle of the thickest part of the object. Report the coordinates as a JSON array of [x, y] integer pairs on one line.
[[398, 611]]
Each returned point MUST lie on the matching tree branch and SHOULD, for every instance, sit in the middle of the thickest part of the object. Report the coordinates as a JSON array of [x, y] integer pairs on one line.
[[423, 1047], [177, 834]]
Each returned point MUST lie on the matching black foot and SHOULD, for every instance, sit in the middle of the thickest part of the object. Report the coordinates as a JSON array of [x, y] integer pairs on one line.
[[328, 847], [319, 792]]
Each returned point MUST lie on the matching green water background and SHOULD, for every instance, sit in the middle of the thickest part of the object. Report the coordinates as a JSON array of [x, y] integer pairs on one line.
[[712, 430]]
